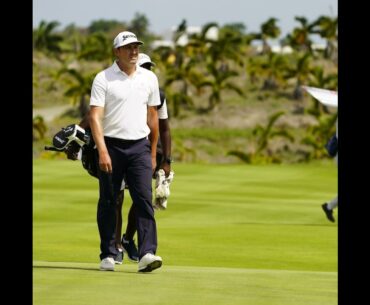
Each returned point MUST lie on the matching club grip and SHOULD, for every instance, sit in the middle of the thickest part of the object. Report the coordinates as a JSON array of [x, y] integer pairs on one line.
[[51, 148]]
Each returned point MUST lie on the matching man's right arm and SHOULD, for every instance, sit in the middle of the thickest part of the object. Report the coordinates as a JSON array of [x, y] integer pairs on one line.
[[95, 121]]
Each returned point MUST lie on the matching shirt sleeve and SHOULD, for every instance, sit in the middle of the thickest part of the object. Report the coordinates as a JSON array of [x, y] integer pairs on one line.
[[98, 91], [162, 112], [154, 97]]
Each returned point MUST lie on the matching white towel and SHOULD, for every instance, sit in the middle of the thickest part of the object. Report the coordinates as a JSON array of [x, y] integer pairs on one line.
[[162, 189]]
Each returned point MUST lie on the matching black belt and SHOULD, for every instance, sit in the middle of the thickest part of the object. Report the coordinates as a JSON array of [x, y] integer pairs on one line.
[[116, 141]]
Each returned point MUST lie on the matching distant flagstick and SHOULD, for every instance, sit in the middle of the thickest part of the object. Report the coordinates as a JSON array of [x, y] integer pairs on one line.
[[324, 96]]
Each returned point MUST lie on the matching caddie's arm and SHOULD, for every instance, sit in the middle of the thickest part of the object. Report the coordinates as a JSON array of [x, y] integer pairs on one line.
[[85, 121], [96, 125], [165, 136], [152, 121]]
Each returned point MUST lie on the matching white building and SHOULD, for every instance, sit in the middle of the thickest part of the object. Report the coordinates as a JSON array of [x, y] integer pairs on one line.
[[212, 34]]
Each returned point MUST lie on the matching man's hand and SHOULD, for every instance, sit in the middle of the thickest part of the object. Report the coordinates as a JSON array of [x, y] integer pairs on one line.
[[105, 162], [166, 167], [154, 165]]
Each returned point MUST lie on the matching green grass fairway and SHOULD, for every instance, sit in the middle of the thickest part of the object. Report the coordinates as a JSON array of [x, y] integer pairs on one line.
[[232, 234]]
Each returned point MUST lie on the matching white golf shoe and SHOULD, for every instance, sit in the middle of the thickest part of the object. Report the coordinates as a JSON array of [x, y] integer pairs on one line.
[[107, 264], [149, 262]]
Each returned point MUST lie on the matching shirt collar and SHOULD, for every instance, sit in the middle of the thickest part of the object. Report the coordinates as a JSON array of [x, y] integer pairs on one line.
[[116, 69]]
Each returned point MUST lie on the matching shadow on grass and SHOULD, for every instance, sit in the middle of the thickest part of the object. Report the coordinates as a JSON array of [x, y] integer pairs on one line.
[[88, 269], [284, 224], [79, 268]]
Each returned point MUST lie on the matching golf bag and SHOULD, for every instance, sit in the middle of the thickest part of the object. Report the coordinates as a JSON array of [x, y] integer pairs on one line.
[[89, 156], [67, 135], [74, 139]]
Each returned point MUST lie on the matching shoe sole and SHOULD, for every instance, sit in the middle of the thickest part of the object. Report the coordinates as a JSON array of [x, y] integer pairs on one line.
[[152, 266], [330, 219], [118, 263]]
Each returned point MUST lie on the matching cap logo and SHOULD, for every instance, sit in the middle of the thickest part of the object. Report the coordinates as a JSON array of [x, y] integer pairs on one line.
[[124, 37]]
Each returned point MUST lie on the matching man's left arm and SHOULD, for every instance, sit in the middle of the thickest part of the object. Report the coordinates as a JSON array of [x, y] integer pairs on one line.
[[152, 120]]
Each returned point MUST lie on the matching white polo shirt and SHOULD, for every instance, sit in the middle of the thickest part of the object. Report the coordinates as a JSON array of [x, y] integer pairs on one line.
[[125, 100], [162, 112]]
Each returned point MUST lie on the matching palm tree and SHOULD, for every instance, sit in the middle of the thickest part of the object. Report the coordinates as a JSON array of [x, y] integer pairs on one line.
[[139, 25], [39, 127], [180, 73], [179, 65], [219, 82], [217, 55], [318, 135], [176, 100], [228, 46], [180, 30], [269, 30], [105, 26], [45, 40], [72, 39], [254, 68], [273, 69], [299, 39], [263, 136], [301, 72], [79, 88], [97, 47], [327, 28]]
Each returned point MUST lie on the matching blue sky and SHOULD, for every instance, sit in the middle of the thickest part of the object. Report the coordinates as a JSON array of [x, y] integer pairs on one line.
[[164, 14]]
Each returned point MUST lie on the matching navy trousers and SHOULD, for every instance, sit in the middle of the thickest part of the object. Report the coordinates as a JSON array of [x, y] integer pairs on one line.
[[132, 160]]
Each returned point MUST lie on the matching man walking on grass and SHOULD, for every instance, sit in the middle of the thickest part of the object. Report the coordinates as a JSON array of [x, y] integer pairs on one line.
[[124, 124]]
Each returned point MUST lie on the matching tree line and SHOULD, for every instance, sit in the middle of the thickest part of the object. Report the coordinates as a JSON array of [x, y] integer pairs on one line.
[[204, 68]]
